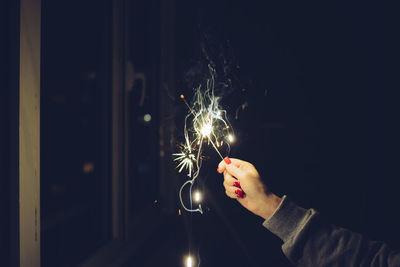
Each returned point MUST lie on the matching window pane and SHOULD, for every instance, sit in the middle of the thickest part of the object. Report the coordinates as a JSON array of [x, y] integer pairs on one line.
[[75, 135], [143, 119]]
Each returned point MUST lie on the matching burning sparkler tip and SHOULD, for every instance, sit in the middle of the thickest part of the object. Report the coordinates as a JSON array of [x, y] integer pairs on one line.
[[182, 96], [206, 129]]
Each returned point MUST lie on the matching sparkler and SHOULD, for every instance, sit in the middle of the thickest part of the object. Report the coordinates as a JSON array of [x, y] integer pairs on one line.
[[205, 123]]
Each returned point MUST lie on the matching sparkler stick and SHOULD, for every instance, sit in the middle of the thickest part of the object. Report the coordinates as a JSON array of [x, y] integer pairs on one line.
[[186, 103], [216, 149]]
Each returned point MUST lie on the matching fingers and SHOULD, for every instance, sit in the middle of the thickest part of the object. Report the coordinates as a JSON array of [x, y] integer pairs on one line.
[[235, 171], [231, 193], [234, 192], [229, 180], [221, 167], [230, 161], [232, 187]]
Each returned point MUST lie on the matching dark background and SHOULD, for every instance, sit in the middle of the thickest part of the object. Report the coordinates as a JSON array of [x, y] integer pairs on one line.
[[318, 83], [320, 123], [9, 82], [320, 113]]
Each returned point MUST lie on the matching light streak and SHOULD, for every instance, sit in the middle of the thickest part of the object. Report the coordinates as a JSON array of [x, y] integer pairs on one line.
[[205, 123]]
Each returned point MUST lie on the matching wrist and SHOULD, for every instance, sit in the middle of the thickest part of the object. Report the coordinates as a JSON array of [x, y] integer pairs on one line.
[[269, 205]]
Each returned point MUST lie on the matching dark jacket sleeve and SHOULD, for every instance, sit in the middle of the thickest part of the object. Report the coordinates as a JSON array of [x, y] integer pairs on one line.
[[309, 241]]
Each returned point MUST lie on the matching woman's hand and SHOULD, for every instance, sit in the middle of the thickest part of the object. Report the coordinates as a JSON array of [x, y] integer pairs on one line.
[[242, 182]]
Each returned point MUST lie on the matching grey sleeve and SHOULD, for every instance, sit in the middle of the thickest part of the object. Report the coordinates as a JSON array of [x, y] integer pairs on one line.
[[309, 241]]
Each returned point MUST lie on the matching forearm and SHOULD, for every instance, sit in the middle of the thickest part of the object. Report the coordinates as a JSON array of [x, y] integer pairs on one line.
[[308, 241]]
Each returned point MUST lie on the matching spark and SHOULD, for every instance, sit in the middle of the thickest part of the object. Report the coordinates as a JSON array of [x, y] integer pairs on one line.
[[206, 129], [186, 161], [231, 138]]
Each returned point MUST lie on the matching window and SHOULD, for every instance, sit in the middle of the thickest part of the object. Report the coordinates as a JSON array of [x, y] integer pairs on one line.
[[75, 131]]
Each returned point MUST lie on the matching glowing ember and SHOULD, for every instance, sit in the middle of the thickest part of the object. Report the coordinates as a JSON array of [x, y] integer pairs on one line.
[[189, 261], [197, 196]]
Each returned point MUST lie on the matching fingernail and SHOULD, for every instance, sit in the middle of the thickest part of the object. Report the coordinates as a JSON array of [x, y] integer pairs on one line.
[[239, 193], [218, 170], [227, 160], [236, 184]]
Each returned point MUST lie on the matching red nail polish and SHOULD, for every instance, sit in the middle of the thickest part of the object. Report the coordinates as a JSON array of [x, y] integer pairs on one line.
[[227, 160], [218, 170], [236, 184], [239, 193]]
